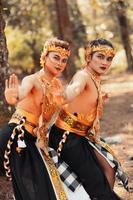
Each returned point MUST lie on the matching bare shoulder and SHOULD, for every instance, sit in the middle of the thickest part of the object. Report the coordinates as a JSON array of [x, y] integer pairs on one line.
[[83, 75], [29, 77], [29, 80]]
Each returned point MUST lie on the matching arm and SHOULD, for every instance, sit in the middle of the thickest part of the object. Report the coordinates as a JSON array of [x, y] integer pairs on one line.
[[26, 86], [76, 86]]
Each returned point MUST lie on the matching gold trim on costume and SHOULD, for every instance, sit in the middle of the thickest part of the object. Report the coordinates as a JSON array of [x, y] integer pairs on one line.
[[70, 122], [49, 107], [31, 120], [55, 178], [107, 147]]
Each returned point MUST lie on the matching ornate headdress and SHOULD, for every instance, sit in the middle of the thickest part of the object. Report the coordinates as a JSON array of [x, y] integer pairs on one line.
[[62, 51], [102, 48]]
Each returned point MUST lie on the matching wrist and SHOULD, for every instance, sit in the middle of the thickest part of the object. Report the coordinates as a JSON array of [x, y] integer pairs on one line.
[[17, 98], [12, 101]]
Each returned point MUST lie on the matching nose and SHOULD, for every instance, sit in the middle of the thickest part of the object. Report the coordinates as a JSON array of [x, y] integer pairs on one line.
[[60, 62], [105, 61]]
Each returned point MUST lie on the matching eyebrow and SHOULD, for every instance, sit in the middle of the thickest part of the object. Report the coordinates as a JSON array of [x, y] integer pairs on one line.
[[99, 53], [56, 55], [102, 54], [110, 57]]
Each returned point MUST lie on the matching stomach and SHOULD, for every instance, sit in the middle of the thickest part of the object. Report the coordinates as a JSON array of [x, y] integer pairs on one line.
[[30, 106], [81, 107]]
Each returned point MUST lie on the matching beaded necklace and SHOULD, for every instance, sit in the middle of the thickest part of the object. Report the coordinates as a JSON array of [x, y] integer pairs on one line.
[[49, 108]]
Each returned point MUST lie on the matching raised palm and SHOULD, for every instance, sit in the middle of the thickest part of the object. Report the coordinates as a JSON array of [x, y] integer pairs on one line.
[[11, 89]]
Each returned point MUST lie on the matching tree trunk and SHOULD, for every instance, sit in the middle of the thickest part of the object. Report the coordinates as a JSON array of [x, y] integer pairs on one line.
[[79, 33], [4, 67], [35, 55], [66, 33], [120, 10]]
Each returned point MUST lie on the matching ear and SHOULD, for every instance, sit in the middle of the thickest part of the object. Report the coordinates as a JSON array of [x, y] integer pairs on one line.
[[88, 58]]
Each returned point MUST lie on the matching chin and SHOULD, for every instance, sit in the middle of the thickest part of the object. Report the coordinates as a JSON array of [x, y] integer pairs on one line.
[[53, 73], [98, 73], [56, 74], [102, 72]]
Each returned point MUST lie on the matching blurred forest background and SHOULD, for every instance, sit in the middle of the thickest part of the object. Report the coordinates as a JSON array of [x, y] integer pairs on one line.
[[26, 24]]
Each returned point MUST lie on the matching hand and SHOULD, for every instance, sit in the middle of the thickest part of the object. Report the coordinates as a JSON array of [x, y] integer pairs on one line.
[[57, 86], [59, 99], [57, 92], [11, 89], [105, 97]]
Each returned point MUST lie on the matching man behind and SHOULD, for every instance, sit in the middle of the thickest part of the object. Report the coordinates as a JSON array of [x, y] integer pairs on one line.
[[75, 135]]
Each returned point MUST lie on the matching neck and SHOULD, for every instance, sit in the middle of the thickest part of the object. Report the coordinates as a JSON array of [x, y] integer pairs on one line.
[[93, 73], [45, 74]]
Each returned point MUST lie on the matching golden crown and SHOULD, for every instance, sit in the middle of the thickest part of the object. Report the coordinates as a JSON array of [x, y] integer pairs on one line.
[[46, 49], [103, 48], [60, 50]]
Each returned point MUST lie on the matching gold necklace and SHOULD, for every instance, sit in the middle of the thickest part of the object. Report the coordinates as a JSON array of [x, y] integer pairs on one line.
[[48, 109], [94, 76], [99, 110]]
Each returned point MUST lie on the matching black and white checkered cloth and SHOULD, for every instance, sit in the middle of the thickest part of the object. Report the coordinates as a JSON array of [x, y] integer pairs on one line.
[[69, 178], [114, 163]]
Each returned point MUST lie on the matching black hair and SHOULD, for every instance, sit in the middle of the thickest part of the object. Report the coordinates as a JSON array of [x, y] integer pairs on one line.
[[100, 41]]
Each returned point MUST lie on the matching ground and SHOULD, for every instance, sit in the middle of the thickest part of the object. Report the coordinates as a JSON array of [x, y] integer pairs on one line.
[[116, 123]]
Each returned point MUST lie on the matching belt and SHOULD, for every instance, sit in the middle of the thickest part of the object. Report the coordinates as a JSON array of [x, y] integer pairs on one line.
[[31, 120], [68, 122]]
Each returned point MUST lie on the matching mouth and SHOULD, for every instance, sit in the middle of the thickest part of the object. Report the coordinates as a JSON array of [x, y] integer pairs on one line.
[[103, 68], [58, 69]]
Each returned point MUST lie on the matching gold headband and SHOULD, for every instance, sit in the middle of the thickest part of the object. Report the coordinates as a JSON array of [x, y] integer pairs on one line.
[[60, 50], [103, 48]]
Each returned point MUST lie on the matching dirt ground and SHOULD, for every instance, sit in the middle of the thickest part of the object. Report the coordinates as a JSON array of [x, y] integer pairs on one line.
[[117, 122]]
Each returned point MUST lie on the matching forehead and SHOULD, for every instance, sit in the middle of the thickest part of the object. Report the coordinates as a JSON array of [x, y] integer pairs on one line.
[[57, 54], [103, 53]]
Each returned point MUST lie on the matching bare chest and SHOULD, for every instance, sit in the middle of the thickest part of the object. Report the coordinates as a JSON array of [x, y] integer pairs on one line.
[[85, 101]]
